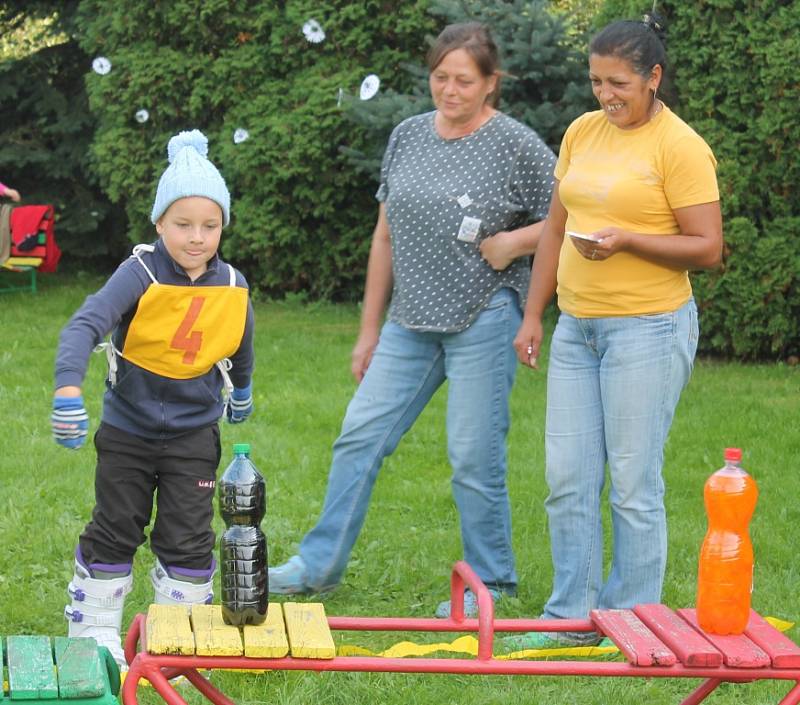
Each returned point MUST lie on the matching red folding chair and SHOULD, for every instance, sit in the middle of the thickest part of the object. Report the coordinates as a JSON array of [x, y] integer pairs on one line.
[[33, 244]]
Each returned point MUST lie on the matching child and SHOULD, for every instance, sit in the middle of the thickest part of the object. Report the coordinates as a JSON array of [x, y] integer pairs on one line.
[[177, 312]]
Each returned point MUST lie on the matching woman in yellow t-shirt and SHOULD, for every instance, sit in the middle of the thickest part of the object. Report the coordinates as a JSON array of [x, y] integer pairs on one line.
[[637, 187]]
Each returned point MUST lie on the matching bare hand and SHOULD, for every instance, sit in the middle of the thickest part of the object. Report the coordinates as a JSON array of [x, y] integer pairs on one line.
[[528, 341], [13, 194], [362, 354], [607, 242], [497, 250]]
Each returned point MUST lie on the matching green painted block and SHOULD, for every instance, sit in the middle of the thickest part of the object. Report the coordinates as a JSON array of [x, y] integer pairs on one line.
[[87, 673], [80, 672], [31, 673]]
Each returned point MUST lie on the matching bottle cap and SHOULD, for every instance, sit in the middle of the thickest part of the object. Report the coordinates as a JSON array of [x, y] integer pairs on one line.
[[734, 454], [241, 448]]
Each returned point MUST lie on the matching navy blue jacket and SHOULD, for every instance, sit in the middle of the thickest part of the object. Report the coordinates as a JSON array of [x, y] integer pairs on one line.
[[143, 403]]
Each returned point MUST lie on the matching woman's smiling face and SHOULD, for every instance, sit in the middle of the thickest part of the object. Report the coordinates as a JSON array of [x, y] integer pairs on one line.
[[625, 96], [459, 89]]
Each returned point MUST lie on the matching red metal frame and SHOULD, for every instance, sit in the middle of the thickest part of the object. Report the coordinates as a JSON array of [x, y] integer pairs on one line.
[[158, 669]]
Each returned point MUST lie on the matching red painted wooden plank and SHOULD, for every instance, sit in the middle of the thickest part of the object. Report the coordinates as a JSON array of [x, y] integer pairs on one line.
[[689, 646], [781, 649], [640, 646], [737, 650]]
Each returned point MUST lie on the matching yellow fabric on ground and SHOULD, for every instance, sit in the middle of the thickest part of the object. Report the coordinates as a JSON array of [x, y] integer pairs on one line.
[[779, 624], [469, 645]]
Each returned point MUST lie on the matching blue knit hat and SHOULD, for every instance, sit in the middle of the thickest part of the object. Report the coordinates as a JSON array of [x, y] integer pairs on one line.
[[190, 173]]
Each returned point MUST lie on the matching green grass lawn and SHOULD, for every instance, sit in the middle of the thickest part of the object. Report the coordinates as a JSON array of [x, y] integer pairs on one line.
[[402, 561]]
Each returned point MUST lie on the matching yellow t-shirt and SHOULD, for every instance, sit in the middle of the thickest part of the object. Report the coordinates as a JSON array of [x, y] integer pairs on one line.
[[632, 179]]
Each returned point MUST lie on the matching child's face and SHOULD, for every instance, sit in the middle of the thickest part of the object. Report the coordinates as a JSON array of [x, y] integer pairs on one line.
[[190, 229]]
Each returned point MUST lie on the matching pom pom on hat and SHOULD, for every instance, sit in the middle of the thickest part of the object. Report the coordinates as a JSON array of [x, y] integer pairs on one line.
[[190, 173], [194, 138]]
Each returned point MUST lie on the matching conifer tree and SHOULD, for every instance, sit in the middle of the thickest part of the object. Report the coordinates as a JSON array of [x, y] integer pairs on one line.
[[544, 85]]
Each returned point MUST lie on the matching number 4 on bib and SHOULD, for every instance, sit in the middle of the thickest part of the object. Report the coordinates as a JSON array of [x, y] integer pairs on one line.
[[185, 338]]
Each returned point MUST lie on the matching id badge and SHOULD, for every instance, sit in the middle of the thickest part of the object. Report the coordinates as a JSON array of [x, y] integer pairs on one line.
[[468, 231]]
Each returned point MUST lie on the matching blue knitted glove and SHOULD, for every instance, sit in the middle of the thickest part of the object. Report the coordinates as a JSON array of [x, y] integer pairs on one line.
[[69, 421], [240, 404]]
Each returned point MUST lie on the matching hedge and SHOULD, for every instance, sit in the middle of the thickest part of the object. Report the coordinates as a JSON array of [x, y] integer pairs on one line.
[[303, 182]]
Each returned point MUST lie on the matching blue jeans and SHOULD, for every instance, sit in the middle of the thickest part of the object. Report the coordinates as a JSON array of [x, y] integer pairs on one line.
[[612, 388], [407, 368]]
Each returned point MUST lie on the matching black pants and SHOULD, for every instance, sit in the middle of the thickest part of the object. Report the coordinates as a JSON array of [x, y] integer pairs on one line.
[[179, 472]]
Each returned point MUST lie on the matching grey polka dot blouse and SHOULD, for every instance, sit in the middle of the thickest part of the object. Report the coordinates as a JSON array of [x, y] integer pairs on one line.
[[500, 175]]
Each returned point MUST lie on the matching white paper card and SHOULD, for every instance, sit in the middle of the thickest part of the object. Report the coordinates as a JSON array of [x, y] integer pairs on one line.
[[469, 229], [581, 236]]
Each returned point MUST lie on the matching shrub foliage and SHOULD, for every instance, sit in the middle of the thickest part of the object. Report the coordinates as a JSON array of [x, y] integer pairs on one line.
[[301, 219], [303, 182], [46, 132]]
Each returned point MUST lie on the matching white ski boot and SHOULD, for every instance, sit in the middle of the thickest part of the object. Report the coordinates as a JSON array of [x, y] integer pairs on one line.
[[169, 590], [96, 609]]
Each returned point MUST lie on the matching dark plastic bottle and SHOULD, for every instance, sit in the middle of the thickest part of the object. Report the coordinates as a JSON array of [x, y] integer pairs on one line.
[[243, 546]]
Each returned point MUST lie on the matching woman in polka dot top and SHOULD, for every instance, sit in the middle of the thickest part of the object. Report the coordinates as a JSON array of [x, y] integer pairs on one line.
[[462, 191]]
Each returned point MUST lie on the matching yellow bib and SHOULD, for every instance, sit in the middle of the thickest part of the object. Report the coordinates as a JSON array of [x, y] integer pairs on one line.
[[181, 332]]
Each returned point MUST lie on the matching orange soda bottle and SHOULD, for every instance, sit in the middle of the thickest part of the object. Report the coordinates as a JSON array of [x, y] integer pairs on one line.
[[725, 573]]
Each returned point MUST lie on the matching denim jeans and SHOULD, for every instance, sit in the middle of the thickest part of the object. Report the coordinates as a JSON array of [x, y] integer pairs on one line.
[[406, 369], [612, 388]]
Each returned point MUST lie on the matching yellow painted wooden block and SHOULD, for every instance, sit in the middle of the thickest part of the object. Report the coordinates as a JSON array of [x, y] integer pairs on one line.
[[267, 640], [169, 631], [308, 631], [212, 637]]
